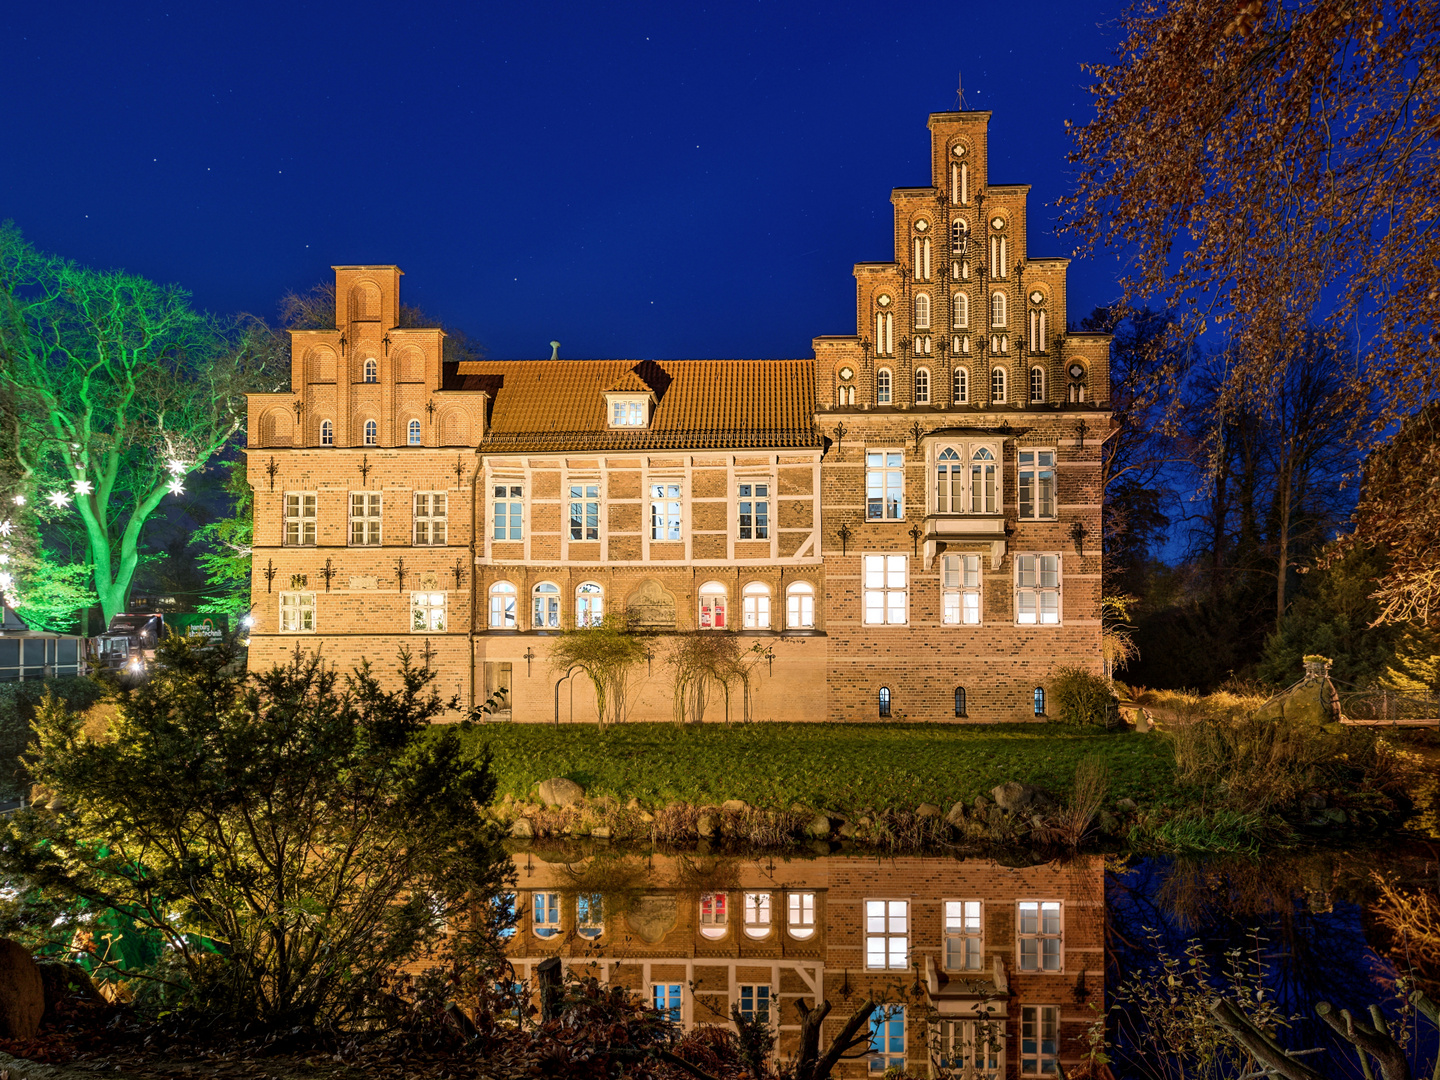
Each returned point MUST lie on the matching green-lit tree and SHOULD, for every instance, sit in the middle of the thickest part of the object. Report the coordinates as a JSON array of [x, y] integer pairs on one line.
[[227, 543], [118, 389]]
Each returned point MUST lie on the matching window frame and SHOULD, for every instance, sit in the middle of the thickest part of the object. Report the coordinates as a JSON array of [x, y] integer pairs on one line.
[[890, 489], [962, 703], [372, 433], [372, 526], [589, 915], [960, 311], [707, 612], [498, 591], [1040, 936], [429, 519], [510, 495], [801, 928], [588, 596], [962, 932], [413, 435], [765, 1013], [755, 606], [921, 306], [548, 593], [890, 564], [1037, 590], [884, 386], [713, 924], [628, 413], [758, 527], [1037, 700], [667, 511], [891, 1054], [967, 595], [960, 385], [962, 1034], [1035, 1020], [327, 432], [672, 1004], [547, 928], [1037, 385], [887, 935], [922, 386], [370, 372], [757, 902], [797, 593], [590, 507], [884, 703], [1031, 485], [303, 600], [999, 384], [424, 603], [306, 525]]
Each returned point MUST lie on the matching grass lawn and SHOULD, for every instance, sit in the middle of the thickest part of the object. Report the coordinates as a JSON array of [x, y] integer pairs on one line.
[[844, 767]]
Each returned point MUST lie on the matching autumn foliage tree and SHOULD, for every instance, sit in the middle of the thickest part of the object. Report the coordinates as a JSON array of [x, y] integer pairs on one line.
[[1263, 165]]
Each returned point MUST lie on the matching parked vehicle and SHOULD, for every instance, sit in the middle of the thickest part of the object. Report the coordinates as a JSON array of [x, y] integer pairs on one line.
[[130, 641]]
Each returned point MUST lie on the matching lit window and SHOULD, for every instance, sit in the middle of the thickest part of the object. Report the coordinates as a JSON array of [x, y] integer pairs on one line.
[[961, 388], [922, 258], [887, 934], [1000, 345], [883, 391], [546, 606], [1037, 385], [589, 604], [754, 511], [949, 483], [960, 589], [884, 703], [299, 518], [884, 333], [755, 1003], [960, 344], [666, 997], [984, 496], [972, 1048], [961, 179], [427, 612], [1037, 483], [413, 432], [964, 936], [922, 344], [960, 706], [922, 386], [999, 264], [1039, 700], [430, 521], [502, 606], [584, 511], [997, 385], [297, 613], [800, 606], [961, 309], [627, 414], [372, 433], [1040, 935], [887, 1039], [589, 915], [327, 433], [714, 917], [1039, 1040], [885, 589], [757, 914], [546, 914], [508, 515], [997, 309], [364, 519], [1038, 330], [755, 605], [802, 915], [1037, 589], [664, 511], [922, 311], [884, 486], [712, 606], [372, 371]]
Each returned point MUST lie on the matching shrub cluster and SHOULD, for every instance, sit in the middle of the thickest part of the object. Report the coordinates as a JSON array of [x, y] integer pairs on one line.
[[1081, 698], [19, 703]]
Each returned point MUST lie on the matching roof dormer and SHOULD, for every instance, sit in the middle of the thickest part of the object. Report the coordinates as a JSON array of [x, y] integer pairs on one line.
[[629, 403]]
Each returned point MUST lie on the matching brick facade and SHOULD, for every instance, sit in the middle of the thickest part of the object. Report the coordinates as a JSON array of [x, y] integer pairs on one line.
[[670, 493]]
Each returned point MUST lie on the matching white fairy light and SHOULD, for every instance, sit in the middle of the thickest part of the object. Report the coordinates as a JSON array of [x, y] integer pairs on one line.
[[4, 558], [176, 466], [58, 499], [177, 486], [6, 581], [19, 500], [6, 528], [83, 487]]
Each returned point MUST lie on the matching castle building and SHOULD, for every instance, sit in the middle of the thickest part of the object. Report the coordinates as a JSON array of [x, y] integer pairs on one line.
[[905, 526]]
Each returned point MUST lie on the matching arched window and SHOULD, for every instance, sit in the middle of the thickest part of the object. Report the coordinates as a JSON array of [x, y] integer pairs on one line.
[[959, 238], [755, 600], [884, 702], [961, 345], [1037, 330], [757, 914], [922, 311], [800, 606], [502, 606], [546, 613], [884, 333], [327, 433], [589, 604], [714, 915], [960, 701], [589, 915], [372, 370], [712, 606], [997, 309], [412, 432], [949, 483], [1000, 344], [997, 385], [1037, 384], [961, 310], [960, 392], [959, 183], [1039, 701], [546, 923], [984, 499], [372, 433], [922, 386], [922, 258], [882, 386], [998, 253]]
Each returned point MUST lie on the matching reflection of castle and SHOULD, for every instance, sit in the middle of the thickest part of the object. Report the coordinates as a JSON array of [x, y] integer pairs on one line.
[[985, 965], [905, 524]]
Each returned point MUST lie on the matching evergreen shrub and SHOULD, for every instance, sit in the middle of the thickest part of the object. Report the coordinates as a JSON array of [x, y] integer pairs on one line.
[[1081, 698]]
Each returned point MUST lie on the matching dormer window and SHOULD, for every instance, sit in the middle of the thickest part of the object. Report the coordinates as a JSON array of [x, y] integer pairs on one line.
[[628, 412]]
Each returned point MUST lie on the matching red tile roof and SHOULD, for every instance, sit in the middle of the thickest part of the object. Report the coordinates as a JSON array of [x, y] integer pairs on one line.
[[559, 405]]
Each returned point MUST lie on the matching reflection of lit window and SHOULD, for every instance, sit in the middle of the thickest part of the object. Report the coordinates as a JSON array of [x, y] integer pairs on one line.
[[802, 914], [1040, 935], [713, 916], [757, 914], [1039, 1040], [666, 997], [887, 1038], [964, 940], [427, 612], [755, 1003], [887, 934], [972, 1048], [546, 914], [507, 913], [589, 915]]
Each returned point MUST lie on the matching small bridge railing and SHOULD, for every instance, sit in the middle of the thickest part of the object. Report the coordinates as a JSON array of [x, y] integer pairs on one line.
[[1389, 706]]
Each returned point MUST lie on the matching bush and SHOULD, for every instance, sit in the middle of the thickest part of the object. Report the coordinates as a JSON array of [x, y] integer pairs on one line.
[[19, 703], [1078, 697]]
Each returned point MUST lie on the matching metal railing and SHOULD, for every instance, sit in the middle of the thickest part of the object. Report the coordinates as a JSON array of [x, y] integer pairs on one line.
[[1390, 706]]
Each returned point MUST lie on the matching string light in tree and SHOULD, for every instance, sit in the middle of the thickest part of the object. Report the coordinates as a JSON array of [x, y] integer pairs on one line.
[[19, 500], [58, 499], [83, 487], [6, 527], [177, 486]]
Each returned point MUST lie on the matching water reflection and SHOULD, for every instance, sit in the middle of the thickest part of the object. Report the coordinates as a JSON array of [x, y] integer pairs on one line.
[[978, 964]]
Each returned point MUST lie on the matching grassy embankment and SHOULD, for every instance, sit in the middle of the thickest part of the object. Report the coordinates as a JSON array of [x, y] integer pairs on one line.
[[842, 767]]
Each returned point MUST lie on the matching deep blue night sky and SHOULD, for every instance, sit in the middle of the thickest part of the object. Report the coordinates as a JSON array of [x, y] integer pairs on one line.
[[642, 180]]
